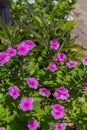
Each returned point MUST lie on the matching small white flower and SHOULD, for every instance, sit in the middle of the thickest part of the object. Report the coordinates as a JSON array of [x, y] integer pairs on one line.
[[31, 1], [70, 16], [15, 1], [54, 2], [70, 1]]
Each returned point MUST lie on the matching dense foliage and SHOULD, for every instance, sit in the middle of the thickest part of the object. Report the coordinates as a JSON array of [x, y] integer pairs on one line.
[[43, 76]]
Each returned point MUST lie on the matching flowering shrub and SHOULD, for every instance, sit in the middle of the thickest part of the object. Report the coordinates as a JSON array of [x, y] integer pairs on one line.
[[36, 89], [43, 76]]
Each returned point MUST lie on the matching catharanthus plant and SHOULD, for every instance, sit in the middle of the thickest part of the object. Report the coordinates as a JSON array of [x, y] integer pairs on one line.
[[32, 83], [60, 57], [54, 44], [11, 52], [33, 125], [84, 87], [22, 49], [52, 66], [44, 91], [71, 64], [14, 92], [4, 58], [43, 75], [57, 111], [61, 94], [41, 90], [84, 61], [60, 126], [26, 104], [2, 128], [30, 44]]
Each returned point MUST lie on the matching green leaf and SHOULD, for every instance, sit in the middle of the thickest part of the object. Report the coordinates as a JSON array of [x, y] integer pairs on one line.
[[84, 107], [37, 104], [38, 20]]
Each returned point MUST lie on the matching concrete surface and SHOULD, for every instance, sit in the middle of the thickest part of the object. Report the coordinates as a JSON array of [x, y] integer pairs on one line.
[[81, 18]]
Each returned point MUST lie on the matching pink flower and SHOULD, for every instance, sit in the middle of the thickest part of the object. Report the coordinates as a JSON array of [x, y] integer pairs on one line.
[[84, 87], [60, 126], [84, 61], [11, 52], [32, 83], [61, 94], [72, 64], [23, 49], [61, 62], [2, 128], [4, 58], [57, 111], [54, 44], [52, 66], [26, 104], [14, 92], [85, 83], [44, 91], [60, 57], [33, 125], [73, 126], [30, 44]]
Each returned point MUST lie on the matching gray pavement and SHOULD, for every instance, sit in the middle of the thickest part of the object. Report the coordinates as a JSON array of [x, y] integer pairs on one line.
[[81, 18]]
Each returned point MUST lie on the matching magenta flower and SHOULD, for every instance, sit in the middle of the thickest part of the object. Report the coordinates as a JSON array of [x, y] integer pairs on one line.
[[72, 64], [52, 66], [44, 91], [26, 104], [14, 92], [61, 94], [85, 83], [84, 61], [61, 62], [57, 111], [61, 57], [30, 44], [84, 87], [54, 44], [33, 125], [60, 126], [73, 126], [2, 128], [4, 58], [32, 83], [23, 49], [11, 52]]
